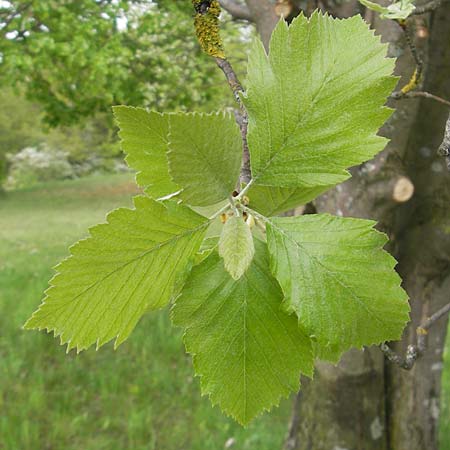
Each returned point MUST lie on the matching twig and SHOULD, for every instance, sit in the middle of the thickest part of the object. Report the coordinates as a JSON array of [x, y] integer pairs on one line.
[[241, 116], [231, 77], [207, 29], [413, 352], [444, 148], [398, 95], [428, 7], [417, 75]]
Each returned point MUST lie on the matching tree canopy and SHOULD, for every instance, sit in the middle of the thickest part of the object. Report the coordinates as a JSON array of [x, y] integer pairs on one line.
[[80, 57]]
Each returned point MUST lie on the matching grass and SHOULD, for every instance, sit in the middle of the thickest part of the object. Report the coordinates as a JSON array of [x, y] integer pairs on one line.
[[142, 396], [444, 429]]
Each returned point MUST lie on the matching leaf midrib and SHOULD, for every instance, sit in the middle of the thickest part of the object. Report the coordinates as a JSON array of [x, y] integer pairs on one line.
[[142, 255], [330, 272]]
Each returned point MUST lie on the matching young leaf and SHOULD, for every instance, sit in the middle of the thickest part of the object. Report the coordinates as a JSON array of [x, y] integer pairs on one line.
[[144, 137], [339, 281], [205, 152], [272, 200], [208, 246], [246, 350], [315, 103], [128, 266], [397, 10], [236, 246]]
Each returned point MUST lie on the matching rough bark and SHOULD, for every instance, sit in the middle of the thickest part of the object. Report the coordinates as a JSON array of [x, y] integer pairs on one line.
[[366, 403], [424, 256], [386, 407]]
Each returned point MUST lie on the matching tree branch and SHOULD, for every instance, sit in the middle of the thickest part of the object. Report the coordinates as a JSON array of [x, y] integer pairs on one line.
[[428, 7], [398, 95], [237, 10], [413, 352], [241, 115]]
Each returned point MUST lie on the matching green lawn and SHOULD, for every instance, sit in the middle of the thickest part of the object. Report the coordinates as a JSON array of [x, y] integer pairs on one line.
[[142, 396]]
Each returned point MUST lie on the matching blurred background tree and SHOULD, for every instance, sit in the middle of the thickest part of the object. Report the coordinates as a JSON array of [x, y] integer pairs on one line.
[[74, 59]]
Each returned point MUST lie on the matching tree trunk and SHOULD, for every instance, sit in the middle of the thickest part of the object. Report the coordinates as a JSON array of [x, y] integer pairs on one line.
[[365, 402]]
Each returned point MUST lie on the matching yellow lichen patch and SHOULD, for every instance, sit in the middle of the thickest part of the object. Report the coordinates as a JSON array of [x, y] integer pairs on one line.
[[206, 23], [412, 83], [421, 331]]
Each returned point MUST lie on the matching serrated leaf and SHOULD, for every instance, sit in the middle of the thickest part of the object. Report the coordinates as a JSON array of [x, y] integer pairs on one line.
[[339, 281], [144, 137], [127, 266], [246, 350], [236, 246], [272, 200], [205, 153], [315, 103]]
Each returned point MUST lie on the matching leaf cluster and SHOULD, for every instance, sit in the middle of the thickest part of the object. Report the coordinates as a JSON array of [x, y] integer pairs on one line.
[[259, 297]]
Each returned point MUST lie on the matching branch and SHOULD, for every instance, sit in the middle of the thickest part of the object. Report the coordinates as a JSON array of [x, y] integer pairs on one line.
[[206, 23], [237, 10], [444, 148], [413, 352], [417, 75], [428, 7], [241, 116], [398, 95]]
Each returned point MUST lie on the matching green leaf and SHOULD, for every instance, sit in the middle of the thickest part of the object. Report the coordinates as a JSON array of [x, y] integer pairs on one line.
[[272, 200], [127, 266], [246, 350], [398, 10], [315, 104], [236, 246], [205, 152], [339, 281], [144, 137], [208, 246]]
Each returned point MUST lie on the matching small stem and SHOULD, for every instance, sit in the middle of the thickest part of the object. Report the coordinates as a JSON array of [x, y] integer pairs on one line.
[[233, 205], [417, 75], [398, 95], [230, 75], [241, 115], [413, 352], [220, 211], [255, 213], [245, 190]]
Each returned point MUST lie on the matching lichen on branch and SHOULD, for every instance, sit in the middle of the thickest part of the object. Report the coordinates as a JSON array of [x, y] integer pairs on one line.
[[207, 29]]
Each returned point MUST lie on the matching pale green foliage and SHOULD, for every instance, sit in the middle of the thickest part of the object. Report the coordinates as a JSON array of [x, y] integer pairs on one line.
[[398, 10], [272, 200], [126, 267], [246, 350], [236, 246], [208, 246], [315, 104], [145, 138], [338, 280], [205, 152]]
